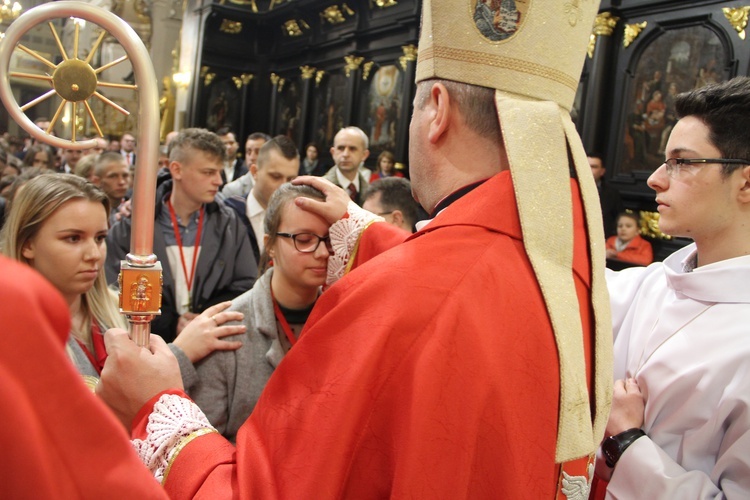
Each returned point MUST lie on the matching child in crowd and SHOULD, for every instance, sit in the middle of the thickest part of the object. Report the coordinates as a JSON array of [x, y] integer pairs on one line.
[[628, 245]]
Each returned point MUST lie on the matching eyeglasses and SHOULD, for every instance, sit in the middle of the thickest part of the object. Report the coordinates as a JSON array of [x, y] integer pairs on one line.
[[307, 242], [675, 165]]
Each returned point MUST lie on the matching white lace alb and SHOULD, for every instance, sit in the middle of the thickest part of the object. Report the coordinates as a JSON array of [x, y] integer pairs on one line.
[[344, 235], [172, 420]]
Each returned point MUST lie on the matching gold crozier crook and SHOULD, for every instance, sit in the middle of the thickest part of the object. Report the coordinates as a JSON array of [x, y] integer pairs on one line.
[[74, 80]]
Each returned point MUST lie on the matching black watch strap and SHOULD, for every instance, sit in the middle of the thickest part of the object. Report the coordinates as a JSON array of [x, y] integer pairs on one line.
[[614, 446]]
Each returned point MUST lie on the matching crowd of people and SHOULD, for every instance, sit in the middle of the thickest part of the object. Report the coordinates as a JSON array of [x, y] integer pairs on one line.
[[339, 332]]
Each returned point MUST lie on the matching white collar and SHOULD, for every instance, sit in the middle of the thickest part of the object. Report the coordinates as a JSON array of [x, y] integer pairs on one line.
[[344, 182], [253, 207]]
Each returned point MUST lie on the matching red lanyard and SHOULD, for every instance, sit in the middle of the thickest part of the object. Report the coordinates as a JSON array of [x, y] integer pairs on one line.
[[176, 229], [99, 356], [282, 321]]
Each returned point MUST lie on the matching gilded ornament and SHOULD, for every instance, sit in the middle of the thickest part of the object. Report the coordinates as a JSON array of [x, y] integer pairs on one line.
[[631, 32], [293, 27], [251, 3], [208, 79], [737, 17], [230, 27], [9, 12], [366, 68], [352, 64], [333, 15], [275, 79], [282, 81], [204, 71], [410, 54], [243, 79], [307, 72], [319, 77], [591, 46], [650, 226], [605, 23], [385, 3]]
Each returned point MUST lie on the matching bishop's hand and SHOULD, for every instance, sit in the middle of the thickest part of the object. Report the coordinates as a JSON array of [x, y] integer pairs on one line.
[[335, 205], [132, 375]]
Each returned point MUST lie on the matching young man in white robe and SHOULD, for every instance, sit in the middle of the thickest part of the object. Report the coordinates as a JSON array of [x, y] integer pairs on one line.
[[680, 420]]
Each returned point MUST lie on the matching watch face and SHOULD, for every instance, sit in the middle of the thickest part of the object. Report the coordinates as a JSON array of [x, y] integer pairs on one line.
[[611, 451]]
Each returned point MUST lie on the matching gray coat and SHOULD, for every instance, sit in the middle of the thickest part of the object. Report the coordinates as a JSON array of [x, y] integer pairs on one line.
[[227, 384]]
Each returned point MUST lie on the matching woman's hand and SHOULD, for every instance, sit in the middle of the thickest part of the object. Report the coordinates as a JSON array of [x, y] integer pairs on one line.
[[204, 334]]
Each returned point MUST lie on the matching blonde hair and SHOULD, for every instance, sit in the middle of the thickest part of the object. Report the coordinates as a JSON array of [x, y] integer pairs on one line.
[[33, 205]]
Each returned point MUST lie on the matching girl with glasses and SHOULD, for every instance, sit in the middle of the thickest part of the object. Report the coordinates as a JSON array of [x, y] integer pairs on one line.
[[226, 385]]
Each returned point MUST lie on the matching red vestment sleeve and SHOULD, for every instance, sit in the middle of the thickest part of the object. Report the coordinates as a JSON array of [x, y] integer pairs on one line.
[[376, 239], [58, 440]]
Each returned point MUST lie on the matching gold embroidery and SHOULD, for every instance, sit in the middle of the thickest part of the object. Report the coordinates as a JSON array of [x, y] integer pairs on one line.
[[181, 445], [500, 62]]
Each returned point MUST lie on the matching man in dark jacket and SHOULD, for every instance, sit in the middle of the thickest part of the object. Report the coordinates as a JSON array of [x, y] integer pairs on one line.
[[204, 249]]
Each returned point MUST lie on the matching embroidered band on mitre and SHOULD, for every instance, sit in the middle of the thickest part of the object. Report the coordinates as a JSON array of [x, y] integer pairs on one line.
[[532, 53]]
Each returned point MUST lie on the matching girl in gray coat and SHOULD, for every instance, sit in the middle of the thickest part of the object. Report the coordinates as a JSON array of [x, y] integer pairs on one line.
[[227, 384]]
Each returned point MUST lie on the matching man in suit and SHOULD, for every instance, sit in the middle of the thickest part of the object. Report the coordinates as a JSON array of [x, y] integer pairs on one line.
[[349, 151], [277, 162], [127, 145], [234, 167], [243, 184]]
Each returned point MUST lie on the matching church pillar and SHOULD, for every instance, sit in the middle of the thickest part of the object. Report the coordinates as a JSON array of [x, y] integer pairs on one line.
[[600, 49]]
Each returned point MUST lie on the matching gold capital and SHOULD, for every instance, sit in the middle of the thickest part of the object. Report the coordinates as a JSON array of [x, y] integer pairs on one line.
[[307, 72], [605, 23], [352, 64], [631, 32], [737, 17]]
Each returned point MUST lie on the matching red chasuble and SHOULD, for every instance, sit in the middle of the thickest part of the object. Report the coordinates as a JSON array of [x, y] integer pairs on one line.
[[57, 440], [430, 371]]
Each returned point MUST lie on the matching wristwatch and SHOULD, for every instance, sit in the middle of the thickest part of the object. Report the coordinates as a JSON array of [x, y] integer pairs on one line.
[[614, 446]]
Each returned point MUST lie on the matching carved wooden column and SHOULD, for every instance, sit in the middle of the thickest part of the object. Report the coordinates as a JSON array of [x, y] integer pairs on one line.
[[308, 77], [600, 51], [277, 86], [353, 78], [408, 63]]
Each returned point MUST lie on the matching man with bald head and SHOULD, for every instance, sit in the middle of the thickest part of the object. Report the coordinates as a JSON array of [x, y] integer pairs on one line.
[[349, 152]]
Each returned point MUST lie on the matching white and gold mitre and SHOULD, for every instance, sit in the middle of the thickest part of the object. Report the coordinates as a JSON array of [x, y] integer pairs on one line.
[[534, 48], [532, 52]]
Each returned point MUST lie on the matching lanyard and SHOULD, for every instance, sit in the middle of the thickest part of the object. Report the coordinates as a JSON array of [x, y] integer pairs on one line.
[[282, 321], [176, 229]]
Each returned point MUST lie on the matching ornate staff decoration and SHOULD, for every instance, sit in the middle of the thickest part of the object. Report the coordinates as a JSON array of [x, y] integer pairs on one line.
[[74, 80]]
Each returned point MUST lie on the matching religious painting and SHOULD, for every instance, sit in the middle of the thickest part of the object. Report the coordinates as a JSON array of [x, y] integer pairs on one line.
[[384, 103], [222, 106], [328, 113], [677, 61], [289, 110]]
